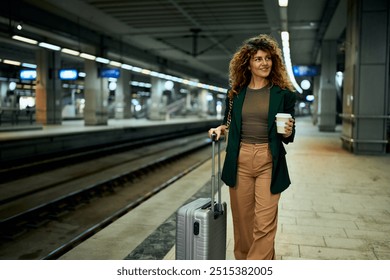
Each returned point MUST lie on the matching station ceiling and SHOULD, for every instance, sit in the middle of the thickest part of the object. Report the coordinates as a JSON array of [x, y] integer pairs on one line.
[[192, 38]]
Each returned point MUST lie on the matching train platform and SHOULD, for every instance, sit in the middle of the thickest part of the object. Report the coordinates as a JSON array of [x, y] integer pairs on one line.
[[18, 132], [73, 136], [337, 208]]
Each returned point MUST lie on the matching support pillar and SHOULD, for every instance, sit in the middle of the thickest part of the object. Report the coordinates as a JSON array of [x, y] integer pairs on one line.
[[48, 88], [188, 102], [3, 93], [123, 96], [96, 96], [327, 94], [316, 89], [366, 79], [203, 103], [158, 104]]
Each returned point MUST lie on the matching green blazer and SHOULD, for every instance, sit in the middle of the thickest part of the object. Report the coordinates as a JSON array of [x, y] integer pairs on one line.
[[281, 101]]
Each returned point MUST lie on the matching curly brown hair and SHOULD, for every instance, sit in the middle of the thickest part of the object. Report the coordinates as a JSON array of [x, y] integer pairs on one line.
[[240, 75]]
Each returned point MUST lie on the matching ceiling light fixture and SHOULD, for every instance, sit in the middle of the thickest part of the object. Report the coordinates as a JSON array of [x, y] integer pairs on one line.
[[88, 56], [69, 51], [24, 39], [146, 71], [136, 69], [102, 60], [29, 65], [49, 46], [287, 60], [305, 84], [283, 3], [11, 62], [115, 63], [126, 66]]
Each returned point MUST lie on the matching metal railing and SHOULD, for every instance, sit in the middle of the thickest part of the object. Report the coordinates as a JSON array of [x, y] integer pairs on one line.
[[15, 116]]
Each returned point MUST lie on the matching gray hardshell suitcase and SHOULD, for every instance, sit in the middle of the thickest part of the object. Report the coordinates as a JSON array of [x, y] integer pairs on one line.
[[200, 228]]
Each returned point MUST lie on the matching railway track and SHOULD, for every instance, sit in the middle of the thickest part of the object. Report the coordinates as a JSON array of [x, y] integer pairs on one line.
[[68, 204]]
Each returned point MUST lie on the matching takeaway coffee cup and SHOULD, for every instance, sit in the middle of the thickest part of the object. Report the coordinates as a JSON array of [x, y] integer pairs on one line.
[[281, 119]]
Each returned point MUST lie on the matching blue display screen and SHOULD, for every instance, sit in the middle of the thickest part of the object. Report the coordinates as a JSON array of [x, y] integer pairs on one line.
[[304, 70], [28, 74], [68, 74], [109, 73]]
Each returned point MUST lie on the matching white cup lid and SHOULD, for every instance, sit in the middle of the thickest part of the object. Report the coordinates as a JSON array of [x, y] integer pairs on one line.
[[283, 115]]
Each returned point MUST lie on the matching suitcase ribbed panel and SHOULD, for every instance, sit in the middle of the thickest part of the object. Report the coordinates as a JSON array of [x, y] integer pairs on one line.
[[210, 243], [185, 228]]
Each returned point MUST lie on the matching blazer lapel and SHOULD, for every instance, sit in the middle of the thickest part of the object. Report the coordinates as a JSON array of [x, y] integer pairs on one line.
[[274, 103], [238, 102]]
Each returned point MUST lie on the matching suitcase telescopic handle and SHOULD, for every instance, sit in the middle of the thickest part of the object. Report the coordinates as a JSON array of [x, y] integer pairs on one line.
[[218, 179]]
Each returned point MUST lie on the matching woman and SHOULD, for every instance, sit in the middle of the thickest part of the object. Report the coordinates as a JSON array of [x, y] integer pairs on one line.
[[255, 166]]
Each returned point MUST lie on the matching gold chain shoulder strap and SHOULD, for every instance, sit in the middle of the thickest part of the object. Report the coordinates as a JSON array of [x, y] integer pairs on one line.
[[229, 118]]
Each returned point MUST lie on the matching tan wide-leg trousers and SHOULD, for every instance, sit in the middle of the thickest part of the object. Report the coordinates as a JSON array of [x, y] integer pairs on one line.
[[254, 208]]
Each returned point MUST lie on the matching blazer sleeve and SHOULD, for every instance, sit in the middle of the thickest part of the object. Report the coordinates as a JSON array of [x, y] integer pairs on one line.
[[289, 107]]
